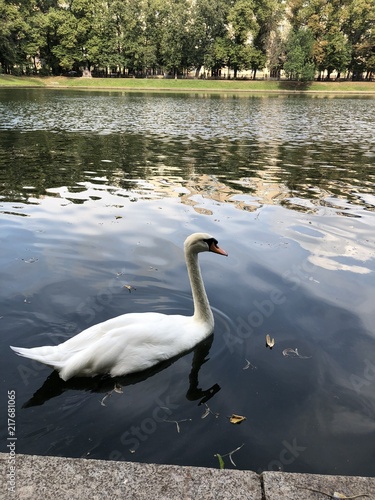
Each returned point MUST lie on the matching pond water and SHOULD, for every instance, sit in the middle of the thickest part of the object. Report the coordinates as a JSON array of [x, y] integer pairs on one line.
[[98, 191]]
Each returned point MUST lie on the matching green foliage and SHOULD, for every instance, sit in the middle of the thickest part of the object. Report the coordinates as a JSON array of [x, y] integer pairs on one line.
[[138, 37], [221, 461], [299, 63], [343, 32], [12, 32]]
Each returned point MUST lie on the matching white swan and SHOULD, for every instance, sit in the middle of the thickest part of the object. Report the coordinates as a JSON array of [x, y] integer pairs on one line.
[[136, 341]]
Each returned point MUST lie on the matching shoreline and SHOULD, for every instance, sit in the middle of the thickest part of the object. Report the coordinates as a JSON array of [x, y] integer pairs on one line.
[[52, 477], [188, 85]]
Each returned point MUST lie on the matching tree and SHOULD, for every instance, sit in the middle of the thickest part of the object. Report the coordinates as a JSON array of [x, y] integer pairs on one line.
[[175, 28], [359, 27], [243, 28], [209, 17], [66, 28], [299, 63], [337, 53], [275, 50], [342, 31], [269, 14], [143, 36], [151, 36], [12, 31]]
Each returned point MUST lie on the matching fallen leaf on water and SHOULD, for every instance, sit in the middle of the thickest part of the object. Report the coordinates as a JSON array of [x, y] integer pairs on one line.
[[236, 419], [208, 411], [269, 342], [221, 461], [220, 457], [293, 353], [249, 365], [108, 395], [31, 260], [117, 388], [177, 422]]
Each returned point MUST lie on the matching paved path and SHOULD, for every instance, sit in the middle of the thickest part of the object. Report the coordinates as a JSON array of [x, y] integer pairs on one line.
[[45, 478]]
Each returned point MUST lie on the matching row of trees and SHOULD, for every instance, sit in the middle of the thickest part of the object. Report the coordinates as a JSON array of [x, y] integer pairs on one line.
[[143, 37]]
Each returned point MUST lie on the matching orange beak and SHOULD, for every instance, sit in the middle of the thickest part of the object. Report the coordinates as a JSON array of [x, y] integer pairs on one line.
[[214, 247]]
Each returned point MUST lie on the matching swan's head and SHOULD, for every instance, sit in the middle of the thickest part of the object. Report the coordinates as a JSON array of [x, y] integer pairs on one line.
[[202, 242]]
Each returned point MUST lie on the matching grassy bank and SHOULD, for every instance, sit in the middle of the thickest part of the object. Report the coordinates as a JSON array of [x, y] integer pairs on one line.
[[186, 85]]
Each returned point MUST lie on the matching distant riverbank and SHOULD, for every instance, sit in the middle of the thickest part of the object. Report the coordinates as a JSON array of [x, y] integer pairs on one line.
[[187, 85]]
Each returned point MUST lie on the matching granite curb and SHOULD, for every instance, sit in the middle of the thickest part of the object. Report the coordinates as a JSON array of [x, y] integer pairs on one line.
[[58, 478]]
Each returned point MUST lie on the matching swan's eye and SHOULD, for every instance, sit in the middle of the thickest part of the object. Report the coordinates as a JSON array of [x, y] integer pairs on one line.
[[211, 241]]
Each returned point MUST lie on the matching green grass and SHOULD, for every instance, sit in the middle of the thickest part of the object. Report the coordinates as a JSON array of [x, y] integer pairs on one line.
[[16, 81], [189, 85]]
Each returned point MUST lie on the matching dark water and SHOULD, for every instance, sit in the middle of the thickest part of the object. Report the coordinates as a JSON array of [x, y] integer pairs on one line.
[[99, 191]]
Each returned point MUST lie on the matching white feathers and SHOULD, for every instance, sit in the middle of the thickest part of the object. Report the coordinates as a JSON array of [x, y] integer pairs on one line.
[[133, 342]]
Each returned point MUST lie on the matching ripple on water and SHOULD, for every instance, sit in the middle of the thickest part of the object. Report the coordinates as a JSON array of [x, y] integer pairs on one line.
[[286, 190]]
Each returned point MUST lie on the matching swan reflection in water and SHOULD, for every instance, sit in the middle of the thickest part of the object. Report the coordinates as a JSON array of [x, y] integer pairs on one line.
[[54, 386]]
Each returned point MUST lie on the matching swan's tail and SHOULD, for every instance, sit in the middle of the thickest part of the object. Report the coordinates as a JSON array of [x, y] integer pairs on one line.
[[47, 355]]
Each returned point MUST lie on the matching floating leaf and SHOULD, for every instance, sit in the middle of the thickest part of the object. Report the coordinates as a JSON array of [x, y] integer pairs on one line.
[[289, 352], [234, 451], [208, 411], [236, 419], [31, 260], [220, 457], [129, 287], [249, 365], [269, 342], [108, 395], [117, 388], [177, 422], [221, 461], [293, 353]]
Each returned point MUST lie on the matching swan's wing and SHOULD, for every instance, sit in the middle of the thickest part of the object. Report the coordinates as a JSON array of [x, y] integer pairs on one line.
[[93, 341], [134, 346], [94, 333]]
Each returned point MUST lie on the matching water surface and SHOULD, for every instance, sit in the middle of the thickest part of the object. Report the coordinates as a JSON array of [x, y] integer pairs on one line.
[[98, 191]]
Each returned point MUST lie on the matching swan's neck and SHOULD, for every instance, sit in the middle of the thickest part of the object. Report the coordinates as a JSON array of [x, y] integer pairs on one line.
[[202, 309]]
